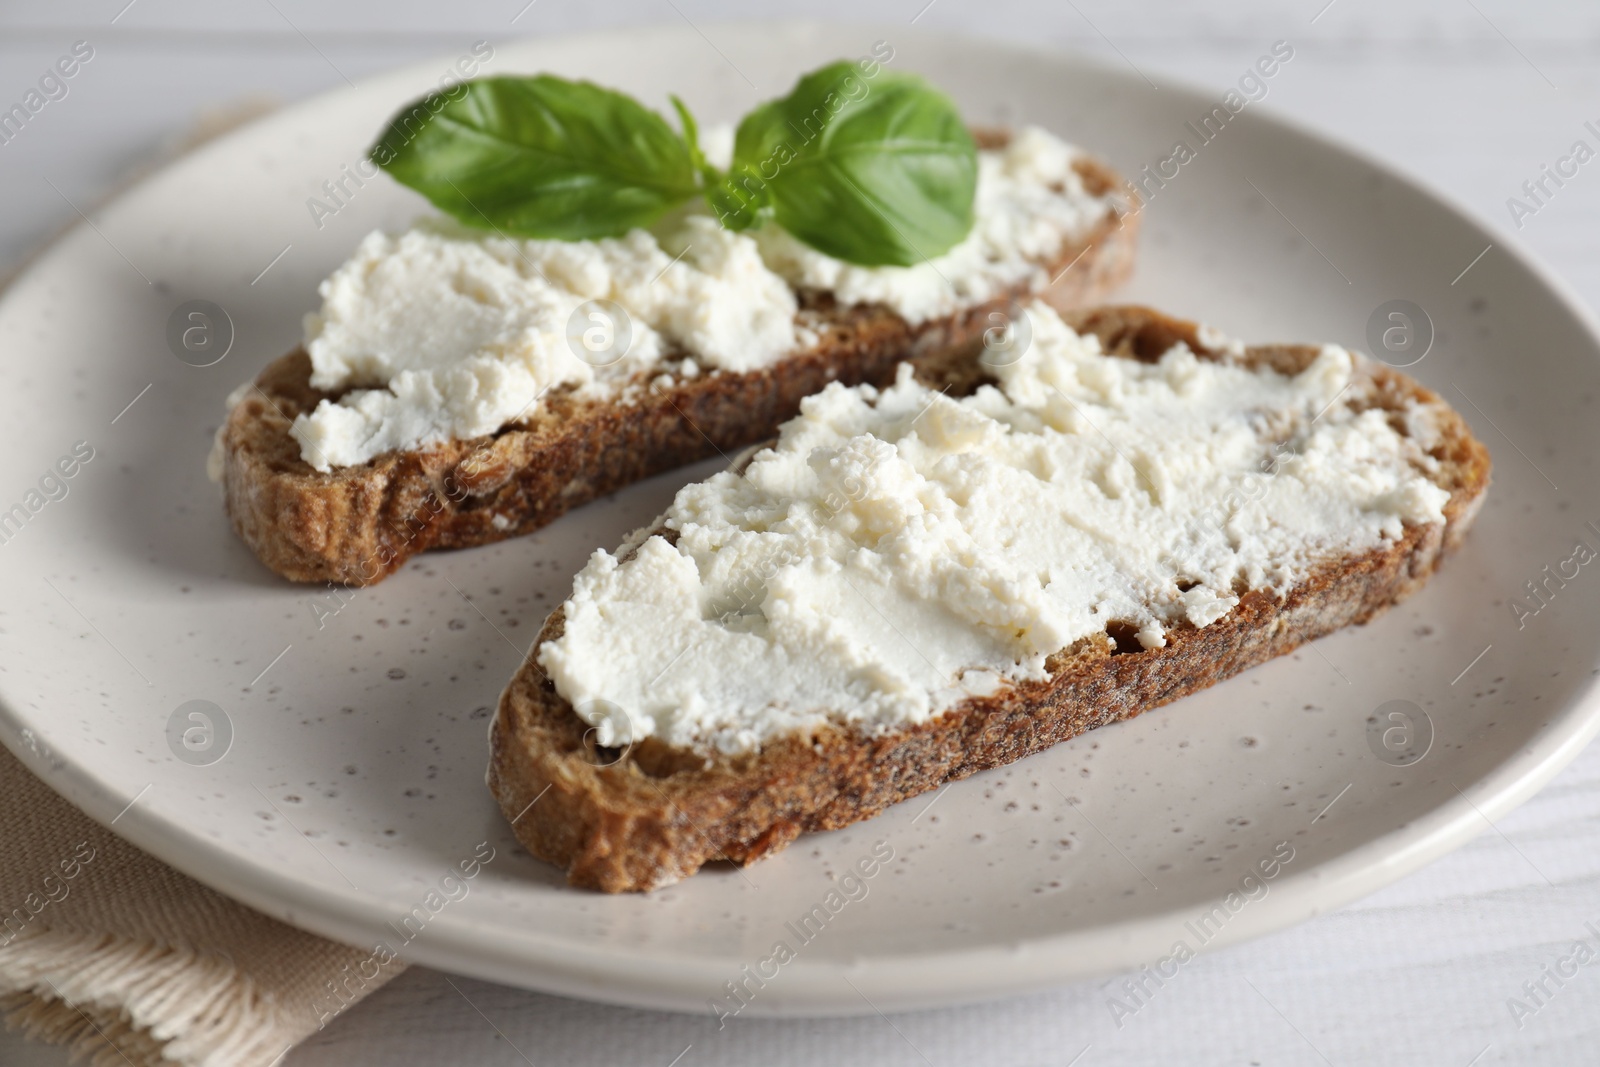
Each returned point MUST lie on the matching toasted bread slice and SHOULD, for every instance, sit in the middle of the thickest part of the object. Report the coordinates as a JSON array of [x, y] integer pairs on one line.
[[654, 814], [356, 525]]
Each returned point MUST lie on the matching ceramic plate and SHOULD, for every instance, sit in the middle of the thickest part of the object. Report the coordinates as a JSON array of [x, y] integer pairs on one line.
[[336, 778]]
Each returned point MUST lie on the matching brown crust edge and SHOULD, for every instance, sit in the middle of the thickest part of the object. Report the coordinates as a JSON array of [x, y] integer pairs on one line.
[[657, 815], [357, 525]]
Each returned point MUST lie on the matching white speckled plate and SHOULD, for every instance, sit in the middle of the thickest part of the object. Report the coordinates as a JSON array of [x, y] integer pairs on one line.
[[353, 780]]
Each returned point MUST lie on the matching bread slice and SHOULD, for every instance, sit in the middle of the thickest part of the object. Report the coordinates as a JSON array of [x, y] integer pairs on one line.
[[356, 525], [652, 815]]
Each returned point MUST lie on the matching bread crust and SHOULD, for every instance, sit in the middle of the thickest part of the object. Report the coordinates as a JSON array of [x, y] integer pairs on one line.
[[634, 821], [357, 525]]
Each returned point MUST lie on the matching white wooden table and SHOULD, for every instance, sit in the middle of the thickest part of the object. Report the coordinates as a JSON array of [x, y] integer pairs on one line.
[[1471, 95]]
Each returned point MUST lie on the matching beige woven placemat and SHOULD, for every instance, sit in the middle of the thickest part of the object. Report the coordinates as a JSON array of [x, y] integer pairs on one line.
[[118, 956], [108, 950]]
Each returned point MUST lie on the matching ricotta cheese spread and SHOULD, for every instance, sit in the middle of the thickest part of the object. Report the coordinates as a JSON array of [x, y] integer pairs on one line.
[[443, 332], [898, 550]]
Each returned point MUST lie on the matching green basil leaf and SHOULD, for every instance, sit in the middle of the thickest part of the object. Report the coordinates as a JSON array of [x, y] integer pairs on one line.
[[539, 157], [691, 136], [875, 171]]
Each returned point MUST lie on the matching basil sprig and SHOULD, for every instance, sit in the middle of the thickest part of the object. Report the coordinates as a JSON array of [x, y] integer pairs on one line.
[[870, 168]]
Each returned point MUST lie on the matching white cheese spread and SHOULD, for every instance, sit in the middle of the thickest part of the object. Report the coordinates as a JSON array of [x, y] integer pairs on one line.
[[898, 550], [443, 333]]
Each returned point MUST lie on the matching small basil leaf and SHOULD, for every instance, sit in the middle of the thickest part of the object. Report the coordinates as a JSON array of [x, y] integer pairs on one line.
[[691, 135], [539, 157], [875, 171]]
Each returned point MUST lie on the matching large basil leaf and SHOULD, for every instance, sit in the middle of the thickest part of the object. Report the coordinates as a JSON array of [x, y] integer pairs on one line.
[[876, 171], [539, 157]]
